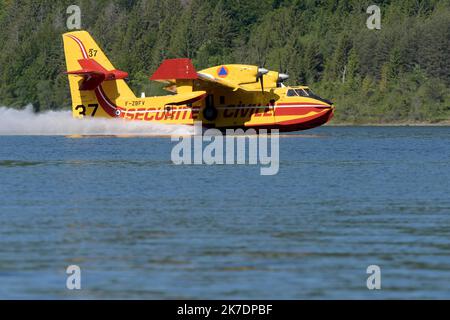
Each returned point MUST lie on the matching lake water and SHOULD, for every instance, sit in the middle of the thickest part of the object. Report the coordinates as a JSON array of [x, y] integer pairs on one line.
[[141, 227]]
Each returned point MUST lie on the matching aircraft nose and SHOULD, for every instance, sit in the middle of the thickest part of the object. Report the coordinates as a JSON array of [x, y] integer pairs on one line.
[[330, 103], [326, 102]]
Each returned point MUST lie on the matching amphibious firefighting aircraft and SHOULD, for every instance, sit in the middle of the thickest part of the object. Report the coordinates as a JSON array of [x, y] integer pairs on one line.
[[226, 96]]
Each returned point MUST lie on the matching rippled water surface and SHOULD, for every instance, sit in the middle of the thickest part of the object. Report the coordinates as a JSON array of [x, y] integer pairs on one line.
[[140, 227]]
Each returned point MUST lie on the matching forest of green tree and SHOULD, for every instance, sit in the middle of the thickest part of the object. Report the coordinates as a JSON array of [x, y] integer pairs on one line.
[[400, 73]]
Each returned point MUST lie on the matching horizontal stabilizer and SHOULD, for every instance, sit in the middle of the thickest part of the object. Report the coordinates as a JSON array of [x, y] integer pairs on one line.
[[94, 74]]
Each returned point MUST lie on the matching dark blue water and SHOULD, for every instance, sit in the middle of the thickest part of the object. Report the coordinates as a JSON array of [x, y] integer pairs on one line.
[[140, 227]]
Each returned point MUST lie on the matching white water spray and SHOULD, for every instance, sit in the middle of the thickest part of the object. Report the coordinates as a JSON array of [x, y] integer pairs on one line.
[[26, 122]]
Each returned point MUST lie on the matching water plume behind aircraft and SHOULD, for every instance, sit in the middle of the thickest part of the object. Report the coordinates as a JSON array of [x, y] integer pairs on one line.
[[27, 122]]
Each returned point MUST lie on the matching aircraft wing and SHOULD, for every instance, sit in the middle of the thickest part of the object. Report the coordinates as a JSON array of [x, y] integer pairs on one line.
[[218, 81], [172, 87], [173, 70], [186, 98]]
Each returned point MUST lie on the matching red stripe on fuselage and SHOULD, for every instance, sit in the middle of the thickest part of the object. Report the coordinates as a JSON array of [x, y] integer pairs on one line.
[[293, 111], [324, 113], [300, 103]]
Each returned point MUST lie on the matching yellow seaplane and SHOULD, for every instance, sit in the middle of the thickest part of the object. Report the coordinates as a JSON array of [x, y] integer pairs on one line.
[[226, 96]]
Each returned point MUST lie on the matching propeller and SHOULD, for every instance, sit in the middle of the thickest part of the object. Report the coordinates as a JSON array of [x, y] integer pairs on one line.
[[260, 77]]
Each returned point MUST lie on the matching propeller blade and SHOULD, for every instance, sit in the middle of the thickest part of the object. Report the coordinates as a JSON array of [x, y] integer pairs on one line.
[[260, 77]]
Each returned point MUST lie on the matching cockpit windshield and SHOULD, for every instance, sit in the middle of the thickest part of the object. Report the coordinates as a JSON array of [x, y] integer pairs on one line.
[[302, 92], [305, 92], [299, 93]]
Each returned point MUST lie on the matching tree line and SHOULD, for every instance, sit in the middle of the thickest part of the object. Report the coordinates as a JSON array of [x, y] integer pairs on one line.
[[400, 73]]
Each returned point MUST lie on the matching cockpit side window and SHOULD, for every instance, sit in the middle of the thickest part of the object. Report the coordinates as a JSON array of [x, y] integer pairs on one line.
[[302, 92], [309, 92], [291, 93]]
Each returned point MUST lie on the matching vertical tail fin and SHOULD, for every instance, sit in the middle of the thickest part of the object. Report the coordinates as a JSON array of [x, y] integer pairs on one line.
[[95, 84]]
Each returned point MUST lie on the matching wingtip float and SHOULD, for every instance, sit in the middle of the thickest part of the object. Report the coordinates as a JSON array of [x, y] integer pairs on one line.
[[226, 96]]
